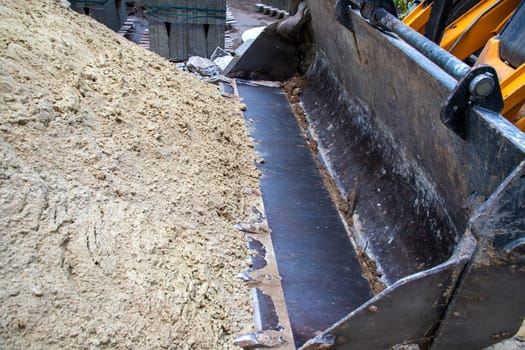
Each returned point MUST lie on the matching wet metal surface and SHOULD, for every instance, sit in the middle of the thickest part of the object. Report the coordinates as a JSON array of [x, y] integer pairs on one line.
[[321, 276]]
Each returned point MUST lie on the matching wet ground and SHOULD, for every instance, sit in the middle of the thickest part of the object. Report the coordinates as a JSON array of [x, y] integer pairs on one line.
[[246, 15], [246, 18]]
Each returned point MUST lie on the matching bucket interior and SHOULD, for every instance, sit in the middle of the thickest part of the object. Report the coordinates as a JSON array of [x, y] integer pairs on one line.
[[331, 261]]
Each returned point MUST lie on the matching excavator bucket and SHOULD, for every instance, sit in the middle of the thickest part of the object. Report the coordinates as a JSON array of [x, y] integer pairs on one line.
[[393, 189]]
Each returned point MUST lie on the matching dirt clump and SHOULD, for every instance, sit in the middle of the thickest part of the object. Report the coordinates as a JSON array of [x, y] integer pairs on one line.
[[120, 182]]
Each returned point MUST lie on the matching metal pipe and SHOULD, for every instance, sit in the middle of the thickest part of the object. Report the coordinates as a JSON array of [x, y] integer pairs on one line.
[[449, 63]]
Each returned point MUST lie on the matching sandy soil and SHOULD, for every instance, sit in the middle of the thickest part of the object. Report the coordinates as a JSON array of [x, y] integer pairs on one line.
[[120, 181]]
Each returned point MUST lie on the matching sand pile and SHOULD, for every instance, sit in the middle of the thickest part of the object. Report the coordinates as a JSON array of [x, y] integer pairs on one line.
[[120, 182]]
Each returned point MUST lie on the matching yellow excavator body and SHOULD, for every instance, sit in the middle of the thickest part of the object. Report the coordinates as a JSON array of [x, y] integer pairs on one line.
[[476, 33]]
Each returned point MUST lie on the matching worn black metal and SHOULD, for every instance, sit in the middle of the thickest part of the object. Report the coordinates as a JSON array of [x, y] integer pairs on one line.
[[512, 38], [488, 306], [438, 19], [402, 121], [369, 7], [383, 17], [112, 13], [321, 276], [457, 107], [270, 57], [341, 13], [399, 129], [403, 234], [266, 317], [459, 8], [407, 312], [258, 259]]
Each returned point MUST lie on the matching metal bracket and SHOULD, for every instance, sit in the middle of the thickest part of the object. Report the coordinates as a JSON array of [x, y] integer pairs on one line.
[[479, 87]]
